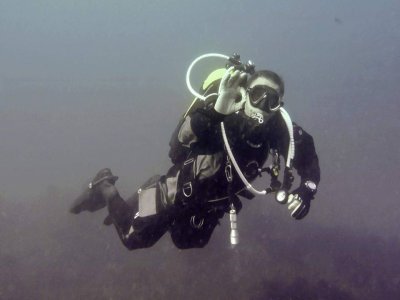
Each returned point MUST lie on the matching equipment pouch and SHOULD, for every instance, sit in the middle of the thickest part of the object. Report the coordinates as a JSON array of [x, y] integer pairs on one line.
[[149, 197]]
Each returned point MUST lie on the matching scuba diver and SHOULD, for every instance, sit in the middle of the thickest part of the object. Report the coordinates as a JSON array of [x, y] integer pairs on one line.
[[218, 148]]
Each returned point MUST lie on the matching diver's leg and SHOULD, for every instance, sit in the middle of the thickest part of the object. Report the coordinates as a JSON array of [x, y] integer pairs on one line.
[[120, 212], [134, 232]]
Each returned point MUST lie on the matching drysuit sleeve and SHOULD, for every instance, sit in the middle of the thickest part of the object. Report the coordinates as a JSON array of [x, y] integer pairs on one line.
[[305, 159]]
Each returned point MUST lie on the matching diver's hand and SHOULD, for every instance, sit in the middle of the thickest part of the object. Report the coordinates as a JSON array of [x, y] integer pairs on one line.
[[299, 202], [231, 93]]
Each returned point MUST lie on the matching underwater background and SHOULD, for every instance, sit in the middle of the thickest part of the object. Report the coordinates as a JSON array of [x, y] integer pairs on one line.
[[91, 84]]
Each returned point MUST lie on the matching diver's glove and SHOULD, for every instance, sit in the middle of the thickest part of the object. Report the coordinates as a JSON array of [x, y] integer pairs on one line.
[[299, 201], [231, 94]]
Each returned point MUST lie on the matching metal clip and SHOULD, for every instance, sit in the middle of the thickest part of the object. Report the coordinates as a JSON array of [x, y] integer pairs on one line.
[[190, 160], [228, 171], [275, 171], [187, 189]]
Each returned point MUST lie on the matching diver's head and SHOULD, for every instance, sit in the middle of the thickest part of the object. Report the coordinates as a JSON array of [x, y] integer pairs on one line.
[[263, 95]]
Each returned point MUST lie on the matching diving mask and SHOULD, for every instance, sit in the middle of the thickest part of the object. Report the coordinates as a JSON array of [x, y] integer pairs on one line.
[[264, 97]]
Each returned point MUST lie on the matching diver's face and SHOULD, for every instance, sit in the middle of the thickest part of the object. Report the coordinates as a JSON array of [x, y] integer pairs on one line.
[[256, 99]]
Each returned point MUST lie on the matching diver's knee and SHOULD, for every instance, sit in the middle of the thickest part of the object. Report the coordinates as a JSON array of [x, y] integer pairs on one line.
[[108, 191], [135, 242]]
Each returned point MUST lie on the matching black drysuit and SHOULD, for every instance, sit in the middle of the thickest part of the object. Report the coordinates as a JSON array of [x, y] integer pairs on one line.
[[198, 140]]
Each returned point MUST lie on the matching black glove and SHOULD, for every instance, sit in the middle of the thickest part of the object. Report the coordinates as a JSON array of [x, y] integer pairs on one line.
[[299, 201]]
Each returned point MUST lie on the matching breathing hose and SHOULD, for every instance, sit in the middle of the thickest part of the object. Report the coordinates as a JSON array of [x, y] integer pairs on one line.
[[188, 73]]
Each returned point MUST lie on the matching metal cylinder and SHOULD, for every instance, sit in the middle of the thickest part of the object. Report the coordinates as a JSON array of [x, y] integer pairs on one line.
[[234, 231]]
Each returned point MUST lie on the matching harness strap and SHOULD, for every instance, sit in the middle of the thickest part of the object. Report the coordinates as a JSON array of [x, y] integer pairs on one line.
[[187, 177]]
